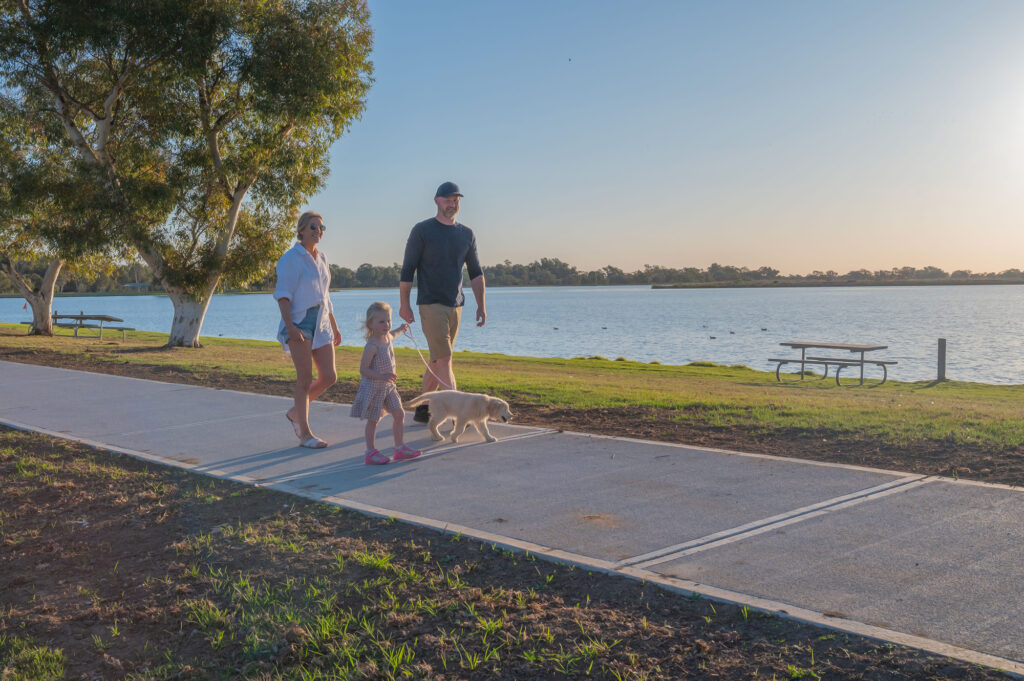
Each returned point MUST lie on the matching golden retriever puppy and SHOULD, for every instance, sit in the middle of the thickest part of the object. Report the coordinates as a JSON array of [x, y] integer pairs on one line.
[[463, 409]]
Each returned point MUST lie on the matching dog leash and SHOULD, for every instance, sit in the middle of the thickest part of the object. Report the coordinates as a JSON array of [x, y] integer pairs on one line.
[[408, 332]]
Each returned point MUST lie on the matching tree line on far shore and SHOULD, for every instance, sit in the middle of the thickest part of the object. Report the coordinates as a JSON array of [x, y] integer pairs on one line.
[[543, 272]]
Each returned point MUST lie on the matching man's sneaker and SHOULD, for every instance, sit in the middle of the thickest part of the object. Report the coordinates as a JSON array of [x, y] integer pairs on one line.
[[422, 414]]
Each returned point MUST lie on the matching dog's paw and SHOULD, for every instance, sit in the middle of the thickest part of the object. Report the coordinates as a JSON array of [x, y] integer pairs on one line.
[[455, 440], [492, 439], [436, 438]]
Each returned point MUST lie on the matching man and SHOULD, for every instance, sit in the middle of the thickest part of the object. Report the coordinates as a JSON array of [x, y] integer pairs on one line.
[[436, 251]]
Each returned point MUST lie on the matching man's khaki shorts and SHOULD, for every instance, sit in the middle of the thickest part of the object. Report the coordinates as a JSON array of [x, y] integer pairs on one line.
[[440, 327]]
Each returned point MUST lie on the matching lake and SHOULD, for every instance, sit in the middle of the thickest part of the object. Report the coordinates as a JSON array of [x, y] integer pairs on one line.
[[981, 324]]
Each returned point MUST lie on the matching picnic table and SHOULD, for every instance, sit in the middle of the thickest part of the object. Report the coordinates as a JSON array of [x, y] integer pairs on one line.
[[855, 359], [89, 321]]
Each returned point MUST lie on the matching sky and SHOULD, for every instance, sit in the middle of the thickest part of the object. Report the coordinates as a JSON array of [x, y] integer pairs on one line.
[[795, 134]]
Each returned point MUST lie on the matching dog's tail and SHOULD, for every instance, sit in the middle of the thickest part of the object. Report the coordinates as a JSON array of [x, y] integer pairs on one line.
[[425, 397]]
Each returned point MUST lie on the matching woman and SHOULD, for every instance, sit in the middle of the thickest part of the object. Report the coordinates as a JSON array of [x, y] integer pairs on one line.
[[308, 329]]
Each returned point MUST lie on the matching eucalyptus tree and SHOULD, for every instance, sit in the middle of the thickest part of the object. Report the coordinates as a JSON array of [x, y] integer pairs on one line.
[[39, 295], [205, 123], [46, 212]]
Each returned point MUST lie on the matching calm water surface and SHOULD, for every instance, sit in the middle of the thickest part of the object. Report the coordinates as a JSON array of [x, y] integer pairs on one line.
[[982, 324]]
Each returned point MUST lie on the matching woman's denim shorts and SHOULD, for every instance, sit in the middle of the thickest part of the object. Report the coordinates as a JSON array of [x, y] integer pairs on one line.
[[308, 323]]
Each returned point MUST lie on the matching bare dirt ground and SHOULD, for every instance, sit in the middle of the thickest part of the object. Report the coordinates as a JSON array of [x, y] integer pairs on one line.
[[119, 569]]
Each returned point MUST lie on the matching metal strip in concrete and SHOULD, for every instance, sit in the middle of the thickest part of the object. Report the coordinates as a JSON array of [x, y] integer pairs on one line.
[[940, 560], [1013, 668], [767, 524], [602, 497]]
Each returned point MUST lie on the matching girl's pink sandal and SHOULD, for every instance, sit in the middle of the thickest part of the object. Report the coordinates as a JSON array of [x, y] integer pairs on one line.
[[375, 458], [404, 453]]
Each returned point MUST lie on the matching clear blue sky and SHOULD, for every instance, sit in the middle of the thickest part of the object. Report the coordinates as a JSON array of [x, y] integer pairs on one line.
[[802, 135]]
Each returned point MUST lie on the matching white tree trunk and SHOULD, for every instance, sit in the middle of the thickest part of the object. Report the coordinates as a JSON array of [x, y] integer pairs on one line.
[[42, 322], [41, 299], [189, 313]]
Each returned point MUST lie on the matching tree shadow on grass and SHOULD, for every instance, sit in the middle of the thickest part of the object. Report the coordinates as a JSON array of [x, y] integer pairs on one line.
[[144, 350]]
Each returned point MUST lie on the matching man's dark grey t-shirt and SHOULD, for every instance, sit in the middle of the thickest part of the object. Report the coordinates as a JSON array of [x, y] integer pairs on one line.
[[435, 253]]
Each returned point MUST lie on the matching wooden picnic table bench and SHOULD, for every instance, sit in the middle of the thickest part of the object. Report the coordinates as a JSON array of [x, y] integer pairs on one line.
[[855, 359], [84, 321]]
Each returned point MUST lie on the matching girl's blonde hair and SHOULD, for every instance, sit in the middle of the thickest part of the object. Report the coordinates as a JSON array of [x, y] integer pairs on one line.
[[373, 311], [304, 220]]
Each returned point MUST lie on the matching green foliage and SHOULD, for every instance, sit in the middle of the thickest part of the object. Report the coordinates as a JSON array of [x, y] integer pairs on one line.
[[47, 208], [47, 211], [280, 84], [196, 127], [23, 660]]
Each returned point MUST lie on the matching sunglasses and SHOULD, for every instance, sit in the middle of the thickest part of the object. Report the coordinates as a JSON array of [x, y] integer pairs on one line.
[[319, 228]]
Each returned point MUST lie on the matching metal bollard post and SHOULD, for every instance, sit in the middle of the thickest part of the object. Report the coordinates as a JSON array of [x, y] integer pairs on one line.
[[942, 359]]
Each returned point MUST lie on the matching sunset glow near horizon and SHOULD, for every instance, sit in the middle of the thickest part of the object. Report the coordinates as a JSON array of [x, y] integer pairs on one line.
[[797, 135]]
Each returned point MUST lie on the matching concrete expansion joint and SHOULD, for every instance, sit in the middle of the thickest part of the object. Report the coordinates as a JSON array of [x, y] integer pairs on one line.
[[763, 525], [1012, 668]]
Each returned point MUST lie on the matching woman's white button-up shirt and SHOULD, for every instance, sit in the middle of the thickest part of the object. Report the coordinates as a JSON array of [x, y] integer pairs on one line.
[[305, 281]]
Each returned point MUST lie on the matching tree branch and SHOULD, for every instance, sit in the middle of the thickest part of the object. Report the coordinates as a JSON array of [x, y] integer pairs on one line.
[[63, 108], [155, 260], [20, 283], [221, 249], [50, 277], [103, 124], [212, 141]]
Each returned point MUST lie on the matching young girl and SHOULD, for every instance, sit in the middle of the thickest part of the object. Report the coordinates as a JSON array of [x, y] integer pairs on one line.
[[377, 391]]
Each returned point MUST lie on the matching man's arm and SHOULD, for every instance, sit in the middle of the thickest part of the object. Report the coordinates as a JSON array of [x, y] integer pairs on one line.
[[476, 280], [479, 288], [411, 261], [405, 309]]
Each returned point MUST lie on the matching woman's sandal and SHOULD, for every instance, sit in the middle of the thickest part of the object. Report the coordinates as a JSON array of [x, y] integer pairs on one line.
[[375, 458], [313, 443], [404, 453], [295, 426]]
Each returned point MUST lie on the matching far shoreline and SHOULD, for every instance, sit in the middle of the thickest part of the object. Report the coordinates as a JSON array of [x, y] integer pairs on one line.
[[839, 284], [681, 285]]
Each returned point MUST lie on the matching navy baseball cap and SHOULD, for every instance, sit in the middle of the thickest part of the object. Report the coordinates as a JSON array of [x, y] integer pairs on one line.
[[448, 189]]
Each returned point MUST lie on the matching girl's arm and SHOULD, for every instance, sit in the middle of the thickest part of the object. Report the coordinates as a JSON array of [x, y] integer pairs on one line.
[[369, 352], [395, 333]]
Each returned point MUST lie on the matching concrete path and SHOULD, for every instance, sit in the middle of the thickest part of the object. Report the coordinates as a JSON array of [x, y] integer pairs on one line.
[[924, 561]]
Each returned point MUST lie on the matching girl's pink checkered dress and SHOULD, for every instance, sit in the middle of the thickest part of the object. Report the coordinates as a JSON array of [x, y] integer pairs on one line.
[[373, 396]]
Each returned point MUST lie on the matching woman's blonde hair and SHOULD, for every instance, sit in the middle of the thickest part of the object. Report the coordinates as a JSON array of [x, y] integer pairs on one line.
[[304, 220], [373, 311]]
